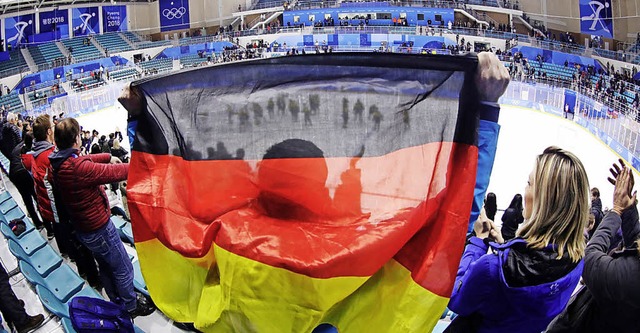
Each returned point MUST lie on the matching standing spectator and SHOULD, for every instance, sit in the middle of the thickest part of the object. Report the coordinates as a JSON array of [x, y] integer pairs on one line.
[[611, 279], [512, 218], [104, 144], [86, 140], [37, 161], [23, 181], [527, 281], [81, 178], [115, 200], [13, 309], [491, 206], [10, 135], [596, 210], [118, 151]]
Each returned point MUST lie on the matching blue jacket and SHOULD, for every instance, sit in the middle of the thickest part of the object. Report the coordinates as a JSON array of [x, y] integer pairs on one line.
[[514, 289], [488, 132]]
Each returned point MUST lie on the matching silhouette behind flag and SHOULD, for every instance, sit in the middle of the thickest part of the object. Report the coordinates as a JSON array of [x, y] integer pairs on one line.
[[353, 220]]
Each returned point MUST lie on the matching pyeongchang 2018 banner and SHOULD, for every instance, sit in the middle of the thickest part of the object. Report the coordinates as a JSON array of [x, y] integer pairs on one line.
[[56, 21], [174, 15], [596, 18], [18, 29], [114, 18], [85, 21]]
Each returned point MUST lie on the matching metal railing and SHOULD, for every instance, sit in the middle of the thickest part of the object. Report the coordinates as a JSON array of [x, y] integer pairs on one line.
[[617, 128], [43, 85], [14, 71]]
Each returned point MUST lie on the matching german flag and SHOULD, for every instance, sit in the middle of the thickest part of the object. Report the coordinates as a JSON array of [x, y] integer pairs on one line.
[[279, 194]]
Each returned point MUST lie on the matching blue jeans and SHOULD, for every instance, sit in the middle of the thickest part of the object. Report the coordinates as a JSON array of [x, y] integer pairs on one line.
[[116, 270]]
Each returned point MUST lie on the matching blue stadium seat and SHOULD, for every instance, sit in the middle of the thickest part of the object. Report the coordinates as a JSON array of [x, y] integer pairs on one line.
[[12, 214], [82, 52], [124, 74], [16, 62], [7, 205], [138, 280], [118, 221], [15, 104], [52, 304], [67, 326], [30, 241], [29, 226], [31, 274], [4, 196], [44, 261], [128, 233], [63, 282], [113, 42], [440, 326]]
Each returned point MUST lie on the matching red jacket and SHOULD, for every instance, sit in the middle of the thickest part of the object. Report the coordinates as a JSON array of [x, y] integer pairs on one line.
[[79, 179], [38, 163]]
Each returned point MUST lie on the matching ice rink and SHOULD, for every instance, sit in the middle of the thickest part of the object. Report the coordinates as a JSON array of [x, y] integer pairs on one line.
[[525, 133]]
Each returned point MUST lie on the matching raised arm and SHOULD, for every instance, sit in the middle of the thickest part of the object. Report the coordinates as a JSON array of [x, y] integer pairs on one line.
[[492, 79], [604, 275], [93, 174]]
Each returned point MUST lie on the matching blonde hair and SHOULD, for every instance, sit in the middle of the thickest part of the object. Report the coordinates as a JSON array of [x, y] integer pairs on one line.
[[116, 144], [560, 209]]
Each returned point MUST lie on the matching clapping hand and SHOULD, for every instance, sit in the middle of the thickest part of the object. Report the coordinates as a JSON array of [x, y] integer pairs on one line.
[[623, 182], [484, 228]]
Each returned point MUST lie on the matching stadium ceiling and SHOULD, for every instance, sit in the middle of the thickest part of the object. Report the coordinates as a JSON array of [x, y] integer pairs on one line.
[[12, 6]]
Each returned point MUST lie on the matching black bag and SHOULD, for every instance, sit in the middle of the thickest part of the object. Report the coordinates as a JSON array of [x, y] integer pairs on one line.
[[17, 226], [576, 316]]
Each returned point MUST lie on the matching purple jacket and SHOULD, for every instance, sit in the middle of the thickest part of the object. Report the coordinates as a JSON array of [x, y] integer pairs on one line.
[[513, 289]]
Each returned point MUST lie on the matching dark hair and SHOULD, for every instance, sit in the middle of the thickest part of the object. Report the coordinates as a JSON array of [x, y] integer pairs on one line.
[[294, 148], [66, 133], [95, 132], [491, 206], [95, 149], [41, 127], [595, 192], [516, 202], [28, 141]]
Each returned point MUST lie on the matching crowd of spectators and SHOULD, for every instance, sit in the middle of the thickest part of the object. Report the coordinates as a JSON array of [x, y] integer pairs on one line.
[[65, 172]]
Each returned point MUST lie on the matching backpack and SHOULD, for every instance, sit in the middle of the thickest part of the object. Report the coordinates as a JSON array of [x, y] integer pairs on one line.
[[93, 315]]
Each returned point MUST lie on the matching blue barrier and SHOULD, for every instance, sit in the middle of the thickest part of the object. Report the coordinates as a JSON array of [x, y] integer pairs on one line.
[[585, 108]]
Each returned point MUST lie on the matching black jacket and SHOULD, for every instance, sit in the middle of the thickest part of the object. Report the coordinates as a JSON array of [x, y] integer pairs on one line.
[[613, 279], [10, 139], [15, 160], [596, 210]]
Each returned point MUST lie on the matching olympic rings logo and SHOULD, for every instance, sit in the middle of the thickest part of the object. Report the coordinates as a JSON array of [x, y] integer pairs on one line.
[[174, 13]]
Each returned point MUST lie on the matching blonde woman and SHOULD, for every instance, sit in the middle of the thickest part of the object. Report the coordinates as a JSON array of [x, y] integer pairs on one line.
[[118, 151], [612, 279], [523, 284]]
